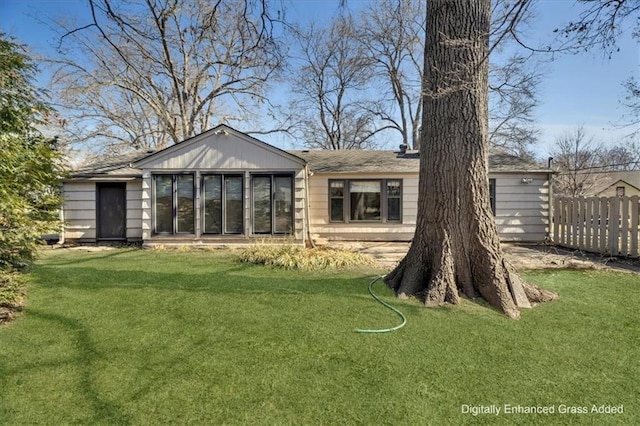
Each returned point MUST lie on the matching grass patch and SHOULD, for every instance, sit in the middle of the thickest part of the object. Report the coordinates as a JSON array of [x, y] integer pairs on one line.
[[290, 256], [144, 337]]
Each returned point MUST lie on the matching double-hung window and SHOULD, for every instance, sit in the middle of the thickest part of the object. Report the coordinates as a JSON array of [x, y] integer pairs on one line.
[[174, 209], [365, 200]]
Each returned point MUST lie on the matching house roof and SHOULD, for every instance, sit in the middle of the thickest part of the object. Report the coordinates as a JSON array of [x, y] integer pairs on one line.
[[605, 180], [318, 161], [113, 166], [371, 161]]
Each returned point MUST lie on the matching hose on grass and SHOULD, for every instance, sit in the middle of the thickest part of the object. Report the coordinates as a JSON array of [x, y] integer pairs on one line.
[[383, 330]]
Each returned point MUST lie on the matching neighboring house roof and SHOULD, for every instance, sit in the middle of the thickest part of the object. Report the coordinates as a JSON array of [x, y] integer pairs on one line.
[[372, 161], [605, 180]]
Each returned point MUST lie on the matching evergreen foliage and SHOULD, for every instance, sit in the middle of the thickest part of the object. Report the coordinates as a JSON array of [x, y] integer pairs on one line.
[[30, 165]]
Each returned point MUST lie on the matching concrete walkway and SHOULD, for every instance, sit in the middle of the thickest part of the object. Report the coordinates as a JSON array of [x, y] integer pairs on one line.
[[522, 256]]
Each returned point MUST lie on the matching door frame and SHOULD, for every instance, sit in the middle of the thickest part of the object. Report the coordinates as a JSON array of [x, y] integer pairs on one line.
[[99, 186]]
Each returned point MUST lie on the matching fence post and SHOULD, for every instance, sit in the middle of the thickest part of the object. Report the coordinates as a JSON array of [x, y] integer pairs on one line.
[[589, 224], [582, 222], [603, 216], [624, 226], [614, 227], [635, 231], [556, 221]]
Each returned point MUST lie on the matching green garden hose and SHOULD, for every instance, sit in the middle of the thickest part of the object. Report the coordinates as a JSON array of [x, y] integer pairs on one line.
[[383, 330]]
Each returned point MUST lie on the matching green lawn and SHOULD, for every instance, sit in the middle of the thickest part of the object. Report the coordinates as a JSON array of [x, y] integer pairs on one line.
[[147, 337]]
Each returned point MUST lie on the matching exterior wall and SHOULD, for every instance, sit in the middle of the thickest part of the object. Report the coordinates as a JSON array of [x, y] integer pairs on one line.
[[629, 190], [522, 209], [134, 210], [319, 211], [79, 211]]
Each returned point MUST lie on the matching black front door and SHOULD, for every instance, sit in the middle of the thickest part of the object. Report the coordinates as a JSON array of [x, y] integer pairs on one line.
[[112, 208]]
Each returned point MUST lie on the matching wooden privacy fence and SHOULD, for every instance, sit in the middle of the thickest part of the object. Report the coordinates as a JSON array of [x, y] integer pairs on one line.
[[607, 225]]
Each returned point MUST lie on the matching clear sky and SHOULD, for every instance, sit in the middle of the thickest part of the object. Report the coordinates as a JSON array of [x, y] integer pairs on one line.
[[583, 89]]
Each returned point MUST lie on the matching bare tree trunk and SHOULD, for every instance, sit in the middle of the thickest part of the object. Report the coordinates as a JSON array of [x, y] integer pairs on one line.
[[456, 249]]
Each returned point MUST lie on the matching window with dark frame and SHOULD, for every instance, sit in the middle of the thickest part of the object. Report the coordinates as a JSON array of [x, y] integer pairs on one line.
[[173, 204], [222, 208], [620, 191], [365, 200], [492, 195], [272, 204]]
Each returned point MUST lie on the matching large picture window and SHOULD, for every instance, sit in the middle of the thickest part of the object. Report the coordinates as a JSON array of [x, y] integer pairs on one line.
[[174, 209], [370, 200], [222, 204]]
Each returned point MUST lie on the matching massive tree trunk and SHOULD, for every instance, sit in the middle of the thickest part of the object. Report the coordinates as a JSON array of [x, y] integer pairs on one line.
[[456, 249]]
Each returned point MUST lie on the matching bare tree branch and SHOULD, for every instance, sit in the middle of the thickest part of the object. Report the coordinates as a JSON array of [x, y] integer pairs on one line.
[[147, 73]]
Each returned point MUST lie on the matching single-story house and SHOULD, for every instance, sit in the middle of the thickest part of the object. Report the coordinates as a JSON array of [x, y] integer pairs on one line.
[[226, 187], [615, 184]]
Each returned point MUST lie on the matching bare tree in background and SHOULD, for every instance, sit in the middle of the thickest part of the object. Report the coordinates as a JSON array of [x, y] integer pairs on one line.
[[328, 86], [392, 33], [621, 157], [576, 157], [149, 73], [631, 102], [513, 97]]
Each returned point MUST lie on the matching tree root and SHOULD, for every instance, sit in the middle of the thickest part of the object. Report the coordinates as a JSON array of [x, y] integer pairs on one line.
[[435, 283]]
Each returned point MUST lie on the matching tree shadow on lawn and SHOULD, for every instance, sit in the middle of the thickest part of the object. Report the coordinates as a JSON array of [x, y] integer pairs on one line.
[[84, 258], [86, 360], [102, 409], [239, 278]]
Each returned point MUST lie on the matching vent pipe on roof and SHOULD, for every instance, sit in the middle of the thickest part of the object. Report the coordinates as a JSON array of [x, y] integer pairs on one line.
[[549, 162], [403, 149]]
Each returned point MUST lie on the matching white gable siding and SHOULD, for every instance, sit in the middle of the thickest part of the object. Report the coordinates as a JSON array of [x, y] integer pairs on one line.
[[522, 209], [212, 151]]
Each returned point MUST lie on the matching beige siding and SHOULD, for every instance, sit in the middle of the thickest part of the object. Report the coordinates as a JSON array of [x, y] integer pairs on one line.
[[134, 210], [522, 209], [146, 206], [79, 211], [299, 202]]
